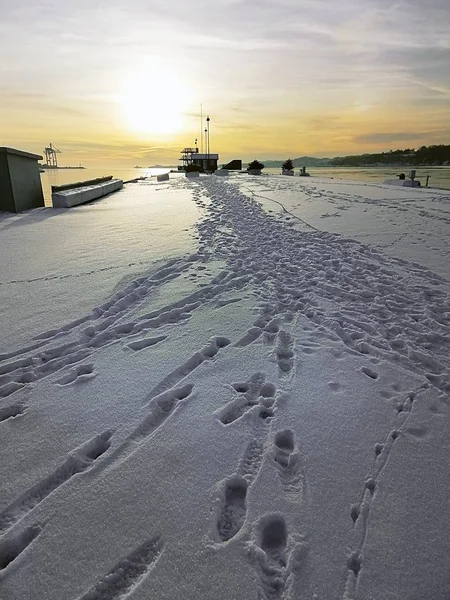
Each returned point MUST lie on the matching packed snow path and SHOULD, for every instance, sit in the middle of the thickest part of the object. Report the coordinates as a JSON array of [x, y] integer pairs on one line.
[[264, 418]]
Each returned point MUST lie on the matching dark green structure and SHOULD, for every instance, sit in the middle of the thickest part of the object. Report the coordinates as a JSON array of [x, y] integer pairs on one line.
[[20, 181], [234, 165]]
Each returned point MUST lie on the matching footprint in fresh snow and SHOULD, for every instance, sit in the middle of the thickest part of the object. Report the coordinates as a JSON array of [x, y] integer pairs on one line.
[[233, 510], [273, 538], [233, 499], [241, 388], [146, 342], [284, 446], [334, 385], [236, 409], [256, 391], [271, 330], [268, 390], [285, 352], [369, 373], [288, 463], [78, 374], [271, 557], [418, 431], [250, 463]]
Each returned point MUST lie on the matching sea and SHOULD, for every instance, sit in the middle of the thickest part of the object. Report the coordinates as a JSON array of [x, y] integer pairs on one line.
[[439, 177]]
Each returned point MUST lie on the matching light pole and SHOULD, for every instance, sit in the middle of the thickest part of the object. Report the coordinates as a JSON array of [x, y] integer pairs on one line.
[[201, 128], [207, 140]]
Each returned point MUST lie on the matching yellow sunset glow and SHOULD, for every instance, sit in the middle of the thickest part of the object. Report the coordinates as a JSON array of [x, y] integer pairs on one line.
[[131, 88], [154, 101]]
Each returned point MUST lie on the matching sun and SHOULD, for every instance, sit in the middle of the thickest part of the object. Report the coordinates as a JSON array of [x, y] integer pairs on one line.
[[154, 101]]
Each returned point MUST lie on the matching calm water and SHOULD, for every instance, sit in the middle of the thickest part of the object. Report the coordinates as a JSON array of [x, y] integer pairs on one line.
[[439, 176]]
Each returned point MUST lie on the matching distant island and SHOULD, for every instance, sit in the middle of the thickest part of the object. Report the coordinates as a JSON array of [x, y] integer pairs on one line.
[[431, 156]]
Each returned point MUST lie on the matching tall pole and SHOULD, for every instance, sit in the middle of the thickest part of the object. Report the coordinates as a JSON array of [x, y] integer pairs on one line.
[[201, 128], [207, 142]]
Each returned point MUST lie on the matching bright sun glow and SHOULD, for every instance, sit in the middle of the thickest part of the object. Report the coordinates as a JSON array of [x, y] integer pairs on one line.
[[154, 100]]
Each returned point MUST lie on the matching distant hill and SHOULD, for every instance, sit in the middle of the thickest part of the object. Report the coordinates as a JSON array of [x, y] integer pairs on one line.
[[425, 155], [438, 155], [301, 161]]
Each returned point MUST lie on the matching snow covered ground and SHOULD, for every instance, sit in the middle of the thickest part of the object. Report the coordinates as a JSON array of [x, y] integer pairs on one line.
[[227, 389]]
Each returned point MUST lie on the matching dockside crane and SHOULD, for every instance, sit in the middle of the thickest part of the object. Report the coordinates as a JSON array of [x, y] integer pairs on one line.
[[50, 156]]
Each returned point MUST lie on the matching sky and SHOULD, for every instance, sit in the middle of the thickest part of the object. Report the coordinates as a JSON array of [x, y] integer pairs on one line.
[[126, 82]]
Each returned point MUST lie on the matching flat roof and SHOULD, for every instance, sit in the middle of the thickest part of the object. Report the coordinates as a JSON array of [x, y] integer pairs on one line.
[[211, 156], [5, 150]]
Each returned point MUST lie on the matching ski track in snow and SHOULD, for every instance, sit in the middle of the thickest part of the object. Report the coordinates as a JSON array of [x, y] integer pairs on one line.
[[161, 408], [207, 353], [381, 308], [128, 573], [13, 410], [12, 547], [43, 361], [78, 461]]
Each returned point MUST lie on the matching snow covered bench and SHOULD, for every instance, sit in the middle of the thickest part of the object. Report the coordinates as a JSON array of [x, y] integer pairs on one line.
[[80, 195]]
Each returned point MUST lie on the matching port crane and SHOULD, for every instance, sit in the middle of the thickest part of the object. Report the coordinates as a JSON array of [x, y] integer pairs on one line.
[[50, 156]]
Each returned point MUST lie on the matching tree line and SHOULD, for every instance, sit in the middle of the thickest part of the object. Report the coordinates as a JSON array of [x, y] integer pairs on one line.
[[425, 155]]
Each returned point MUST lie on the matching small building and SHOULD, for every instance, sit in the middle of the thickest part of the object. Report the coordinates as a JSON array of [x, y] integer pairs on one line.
[[234, 165], [192, 159], [20, 180]]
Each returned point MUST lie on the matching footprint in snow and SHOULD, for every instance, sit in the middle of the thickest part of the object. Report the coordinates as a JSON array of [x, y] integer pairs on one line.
[[78, 374]]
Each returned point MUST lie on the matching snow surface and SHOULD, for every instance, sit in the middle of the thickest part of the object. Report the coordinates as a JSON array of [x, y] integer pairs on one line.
[[228, 388]]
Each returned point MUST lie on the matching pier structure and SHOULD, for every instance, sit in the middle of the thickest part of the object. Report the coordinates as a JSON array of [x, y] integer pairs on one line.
[[193, 160]]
